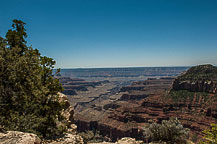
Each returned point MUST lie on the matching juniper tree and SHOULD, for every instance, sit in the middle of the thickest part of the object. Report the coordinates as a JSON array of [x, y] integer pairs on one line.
[[28, 90]]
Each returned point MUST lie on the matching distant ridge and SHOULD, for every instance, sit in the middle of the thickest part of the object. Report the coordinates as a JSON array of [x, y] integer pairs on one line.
[[124, 72]]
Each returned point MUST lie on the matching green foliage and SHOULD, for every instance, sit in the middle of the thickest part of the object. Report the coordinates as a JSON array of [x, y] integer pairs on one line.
[[210, 135], [91, 137], [171, 132], [28, 91]]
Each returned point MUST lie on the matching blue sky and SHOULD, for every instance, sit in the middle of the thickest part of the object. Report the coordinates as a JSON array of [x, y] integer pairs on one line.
[[118, 33]]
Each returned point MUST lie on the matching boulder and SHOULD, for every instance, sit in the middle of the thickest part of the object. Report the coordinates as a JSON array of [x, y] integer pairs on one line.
[[128, 140], [16, 137]]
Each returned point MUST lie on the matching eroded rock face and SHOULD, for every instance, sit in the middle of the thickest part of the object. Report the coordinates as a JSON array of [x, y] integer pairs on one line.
[[16, 137]]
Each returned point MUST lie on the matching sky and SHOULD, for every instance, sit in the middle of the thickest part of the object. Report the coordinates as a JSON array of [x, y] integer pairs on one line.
[[118, 33]]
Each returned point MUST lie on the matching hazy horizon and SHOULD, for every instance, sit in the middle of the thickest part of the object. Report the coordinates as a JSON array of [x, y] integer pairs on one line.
[[127, 67], [118, 33]]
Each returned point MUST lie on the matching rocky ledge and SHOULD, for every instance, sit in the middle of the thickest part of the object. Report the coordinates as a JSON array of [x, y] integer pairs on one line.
[[16, 137]]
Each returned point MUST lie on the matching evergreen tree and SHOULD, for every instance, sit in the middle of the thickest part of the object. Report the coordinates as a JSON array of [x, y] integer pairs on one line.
[[28, 90]]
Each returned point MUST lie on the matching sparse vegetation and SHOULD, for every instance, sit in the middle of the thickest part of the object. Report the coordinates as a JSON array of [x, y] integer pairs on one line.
[[28, 91], [171, 132], [183, 96], [201, 72], [180, 96]]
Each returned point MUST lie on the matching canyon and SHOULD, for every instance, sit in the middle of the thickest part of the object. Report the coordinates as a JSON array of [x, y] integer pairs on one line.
[[123, 108], [120, 107]]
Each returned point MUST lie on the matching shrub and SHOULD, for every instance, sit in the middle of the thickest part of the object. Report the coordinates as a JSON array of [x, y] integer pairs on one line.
[[210, 135], [90, 136], [170, 131], [28, 91]]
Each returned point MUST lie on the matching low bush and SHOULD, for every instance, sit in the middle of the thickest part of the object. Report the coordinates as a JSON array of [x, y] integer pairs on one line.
[[171, 132], [90, 136]]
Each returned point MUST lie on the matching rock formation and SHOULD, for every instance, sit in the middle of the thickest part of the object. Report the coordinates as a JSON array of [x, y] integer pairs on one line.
[[16, 137], [68, 113], [201, 78]]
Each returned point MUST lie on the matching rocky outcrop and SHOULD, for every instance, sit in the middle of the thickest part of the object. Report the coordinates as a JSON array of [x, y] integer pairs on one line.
[[16, 137], [68, 113], [202, 78], [69, 139]]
